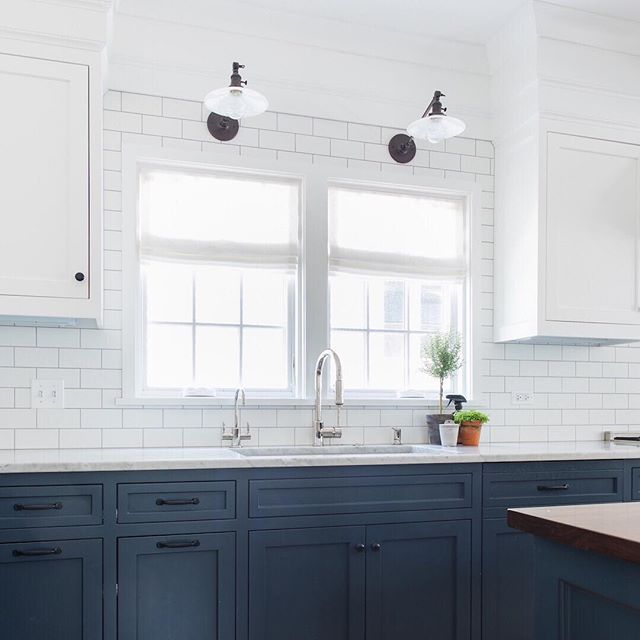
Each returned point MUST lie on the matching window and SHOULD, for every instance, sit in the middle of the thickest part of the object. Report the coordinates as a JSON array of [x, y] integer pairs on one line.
[[241, 275], [398, 271], [218, 263]]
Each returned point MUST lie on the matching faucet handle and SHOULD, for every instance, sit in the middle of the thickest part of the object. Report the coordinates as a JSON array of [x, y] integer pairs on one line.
[[247, 434], [226, 435]]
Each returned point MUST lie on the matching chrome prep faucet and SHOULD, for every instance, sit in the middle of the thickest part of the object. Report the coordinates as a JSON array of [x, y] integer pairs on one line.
[[236, 436], [322, 432]]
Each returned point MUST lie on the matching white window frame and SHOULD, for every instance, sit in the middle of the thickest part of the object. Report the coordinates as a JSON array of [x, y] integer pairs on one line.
[[312, 299]]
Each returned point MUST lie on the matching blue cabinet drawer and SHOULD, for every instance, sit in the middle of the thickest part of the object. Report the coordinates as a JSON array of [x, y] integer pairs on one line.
[[176, 501], [53, 506], [541, 488], [362, 494]]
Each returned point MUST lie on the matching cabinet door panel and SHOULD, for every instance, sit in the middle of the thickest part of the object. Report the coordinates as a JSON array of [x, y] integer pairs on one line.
[[51, 590], [177, 587], [593, 200], [419, 581], [507, 582], [307, 583], [44, 163]]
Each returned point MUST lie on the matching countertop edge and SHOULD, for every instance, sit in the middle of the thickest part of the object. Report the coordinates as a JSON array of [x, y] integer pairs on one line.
[[574, 536]]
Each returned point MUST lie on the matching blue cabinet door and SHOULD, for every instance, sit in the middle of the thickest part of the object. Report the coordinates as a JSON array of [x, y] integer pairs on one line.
[[307, 584], [51, 590], [507, 582], [177, 587], [419, 581]]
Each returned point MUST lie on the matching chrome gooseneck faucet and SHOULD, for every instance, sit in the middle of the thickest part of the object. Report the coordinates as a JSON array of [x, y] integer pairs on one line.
[[236, 436], [322, 432]]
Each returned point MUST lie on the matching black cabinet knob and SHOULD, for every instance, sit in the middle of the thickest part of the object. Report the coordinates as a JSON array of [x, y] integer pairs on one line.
[[79, 276], [375, 546], [360, 548]]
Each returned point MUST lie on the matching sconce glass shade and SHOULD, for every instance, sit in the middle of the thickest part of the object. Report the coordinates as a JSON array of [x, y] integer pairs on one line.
[[436, 128], [236, 102]]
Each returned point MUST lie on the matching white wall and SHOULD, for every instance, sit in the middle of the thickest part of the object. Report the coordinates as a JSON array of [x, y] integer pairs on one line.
[[579, 391]]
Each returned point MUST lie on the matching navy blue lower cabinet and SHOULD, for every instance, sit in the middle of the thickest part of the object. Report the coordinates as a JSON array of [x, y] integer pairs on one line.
[[51, 590], [307, 584], [419, 581], [177, 587], [507, 582]]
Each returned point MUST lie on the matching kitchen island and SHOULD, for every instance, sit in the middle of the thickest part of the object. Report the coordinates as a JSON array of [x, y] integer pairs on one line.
[[587, 570]]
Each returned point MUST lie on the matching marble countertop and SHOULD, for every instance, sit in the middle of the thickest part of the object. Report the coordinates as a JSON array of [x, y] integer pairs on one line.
[[611, 529], [72, 460]]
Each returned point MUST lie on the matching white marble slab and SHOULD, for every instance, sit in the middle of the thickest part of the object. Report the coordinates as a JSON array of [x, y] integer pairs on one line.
[[61, 460]]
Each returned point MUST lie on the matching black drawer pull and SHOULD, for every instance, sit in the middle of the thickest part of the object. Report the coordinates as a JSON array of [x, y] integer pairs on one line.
[[38, 507], [376, 546], [177, 502], [360, 548], [178, 544], [54, 551], [553, 487]]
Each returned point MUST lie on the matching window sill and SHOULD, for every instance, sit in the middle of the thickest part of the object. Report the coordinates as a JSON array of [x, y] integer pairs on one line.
[[284, 403]]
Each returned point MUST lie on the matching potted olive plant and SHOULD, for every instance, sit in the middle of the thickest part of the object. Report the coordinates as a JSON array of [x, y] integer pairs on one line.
[[470, 422], [441, 358]]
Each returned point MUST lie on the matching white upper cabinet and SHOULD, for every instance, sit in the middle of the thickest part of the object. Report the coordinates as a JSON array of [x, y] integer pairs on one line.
[[49, 246], [567, 259]]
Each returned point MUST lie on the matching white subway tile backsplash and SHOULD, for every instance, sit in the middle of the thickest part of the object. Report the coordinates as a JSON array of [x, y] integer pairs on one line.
[[578, 391]]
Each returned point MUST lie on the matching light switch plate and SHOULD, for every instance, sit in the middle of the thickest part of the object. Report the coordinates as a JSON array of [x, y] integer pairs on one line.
[[47, 394]]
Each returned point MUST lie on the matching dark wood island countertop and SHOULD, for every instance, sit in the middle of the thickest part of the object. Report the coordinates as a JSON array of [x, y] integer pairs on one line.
[[609, 529]]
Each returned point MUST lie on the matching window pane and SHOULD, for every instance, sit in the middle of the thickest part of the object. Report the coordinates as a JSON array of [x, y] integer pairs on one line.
[[218, 357], [217, 295], [219, 207], [386, 355], [169, 356], [398, 223], [418, 379], [348, 302], [427, 307], [264, 298], [386, 304], [168, 289], [351, 348], [264, 362]]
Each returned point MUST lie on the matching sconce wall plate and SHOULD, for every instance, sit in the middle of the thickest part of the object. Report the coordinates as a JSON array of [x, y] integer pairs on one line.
[[222, 128], [402, 148]]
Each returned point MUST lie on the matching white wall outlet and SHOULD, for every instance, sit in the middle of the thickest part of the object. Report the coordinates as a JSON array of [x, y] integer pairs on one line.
[[522, 397], [47, 394]]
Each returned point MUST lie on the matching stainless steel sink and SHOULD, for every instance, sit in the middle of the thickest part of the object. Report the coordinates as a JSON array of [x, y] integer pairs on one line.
[[337, 450]]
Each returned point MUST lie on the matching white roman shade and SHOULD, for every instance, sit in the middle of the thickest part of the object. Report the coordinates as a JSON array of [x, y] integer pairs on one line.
[[218, 217], [409, 234]]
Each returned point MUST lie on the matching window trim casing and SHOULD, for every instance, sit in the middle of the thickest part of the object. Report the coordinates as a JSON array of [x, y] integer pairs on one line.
[[313, 267]]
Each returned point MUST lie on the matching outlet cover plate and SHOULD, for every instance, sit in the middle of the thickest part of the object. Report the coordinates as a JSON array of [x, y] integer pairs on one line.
[[522, 398], [47, 394]]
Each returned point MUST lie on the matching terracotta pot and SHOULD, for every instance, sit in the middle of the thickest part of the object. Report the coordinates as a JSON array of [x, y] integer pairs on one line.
[[469, 434], [434, 420]]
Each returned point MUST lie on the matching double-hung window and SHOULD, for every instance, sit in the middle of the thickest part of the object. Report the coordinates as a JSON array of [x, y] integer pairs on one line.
[[218, 263], [239, 276], [398, 272]]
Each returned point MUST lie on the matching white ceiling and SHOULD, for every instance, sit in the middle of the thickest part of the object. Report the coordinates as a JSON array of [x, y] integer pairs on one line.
[[473, 21]]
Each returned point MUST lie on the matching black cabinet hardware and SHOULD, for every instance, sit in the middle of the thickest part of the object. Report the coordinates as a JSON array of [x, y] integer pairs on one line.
[[553, 487], [360, 547], [375, 546], [37, 507], [79, 276], [54, 551], [177, 502], [178, 544]]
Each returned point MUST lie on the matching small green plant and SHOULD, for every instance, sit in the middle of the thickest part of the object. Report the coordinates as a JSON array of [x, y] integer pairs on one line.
[[470, 415], [442, 357]]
